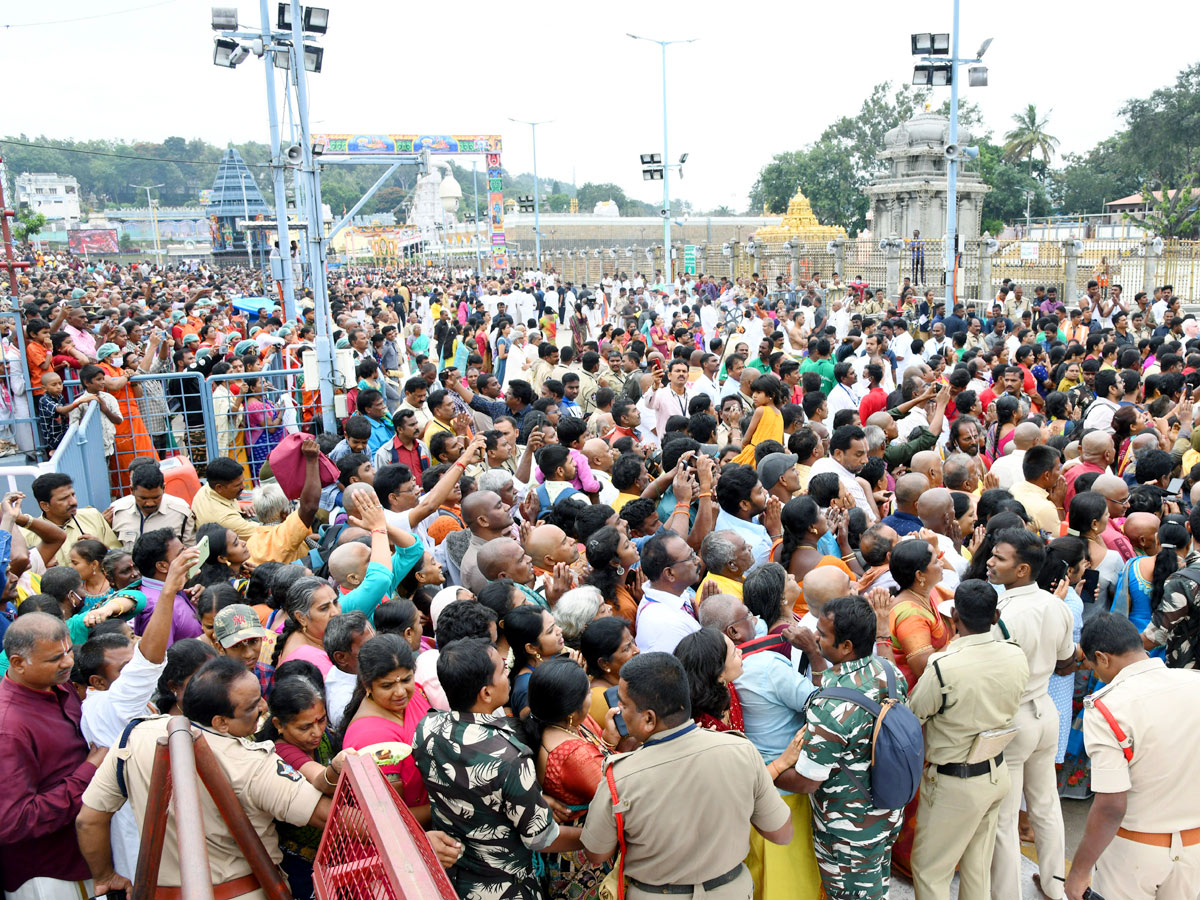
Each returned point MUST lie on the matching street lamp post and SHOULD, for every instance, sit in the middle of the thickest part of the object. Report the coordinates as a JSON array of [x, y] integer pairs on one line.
[[666, 210], [150, 206], [937, 71], [537, 199]]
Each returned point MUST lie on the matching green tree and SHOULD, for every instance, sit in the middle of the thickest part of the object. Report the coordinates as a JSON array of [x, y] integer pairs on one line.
[[28, 224], [125, 243], [1166, 128], [1175, 213], [1010, 190], [1029, 137], [591, 194], [1089, 180], [558, 202]]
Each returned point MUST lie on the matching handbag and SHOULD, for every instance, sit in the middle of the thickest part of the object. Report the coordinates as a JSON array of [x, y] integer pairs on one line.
[[613, 885], [287, 465]]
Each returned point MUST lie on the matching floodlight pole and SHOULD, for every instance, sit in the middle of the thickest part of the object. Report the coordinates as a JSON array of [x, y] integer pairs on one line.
[[246, 221], [153, 218], [316, 239], [475, 183], [952, 169], [278, 187], [666, 158], [537, 200]]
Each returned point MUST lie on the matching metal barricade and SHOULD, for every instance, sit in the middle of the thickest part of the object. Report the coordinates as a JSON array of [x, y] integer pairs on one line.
[[79, 454], [246, 427], [373, 848]]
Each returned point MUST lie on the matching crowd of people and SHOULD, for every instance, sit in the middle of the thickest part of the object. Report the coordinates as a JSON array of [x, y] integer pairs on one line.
[[642, 583]]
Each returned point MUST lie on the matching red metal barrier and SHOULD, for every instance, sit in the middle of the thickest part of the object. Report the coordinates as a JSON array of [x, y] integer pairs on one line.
[[373, 848]]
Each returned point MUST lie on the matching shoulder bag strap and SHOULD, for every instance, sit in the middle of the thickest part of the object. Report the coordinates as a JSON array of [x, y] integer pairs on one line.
[[1123, 741], [942, 684], [120, 761], [620, 817]]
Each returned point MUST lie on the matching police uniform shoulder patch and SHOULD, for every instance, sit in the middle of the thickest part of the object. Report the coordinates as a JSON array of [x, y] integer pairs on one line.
[[286, 771]]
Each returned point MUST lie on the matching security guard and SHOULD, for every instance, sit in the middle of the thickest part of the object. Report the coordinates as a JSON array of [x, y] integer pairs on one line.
[[970, 689], [224, 702], [148, 508], [679, 840], [1140, 732], [1041, 625]]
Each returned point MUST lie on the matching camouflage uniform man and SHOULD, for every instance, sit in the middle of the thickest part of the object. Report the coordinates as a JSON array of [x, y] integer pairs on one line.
[[853, 840], [1176, 621]]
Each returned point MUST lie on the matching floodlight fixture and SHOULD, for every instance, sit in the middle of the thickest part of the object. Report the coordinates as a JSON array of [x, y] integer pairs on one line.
[[942, 76], [651, 159], [224, 50], [652, 174], [983, 48], [941, 45], [224, 18], [977, 76], [316, 19], [683, 159], [921, 44]]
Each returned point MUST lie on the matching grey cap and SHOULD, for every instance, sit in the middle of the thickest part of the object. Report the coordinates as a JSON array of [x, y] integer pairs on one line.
[[772, 466]]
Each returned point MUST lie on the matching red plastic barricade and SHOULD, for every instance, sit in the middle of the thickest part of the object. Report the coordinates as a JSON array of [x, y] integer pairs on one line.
[[373, 848]]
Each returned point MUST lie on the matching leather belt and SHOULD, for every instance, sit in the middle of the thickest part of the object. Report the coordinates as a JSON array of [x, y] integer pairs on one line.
[[969, 770], [1187, 837], [226, 891], [711, 885]]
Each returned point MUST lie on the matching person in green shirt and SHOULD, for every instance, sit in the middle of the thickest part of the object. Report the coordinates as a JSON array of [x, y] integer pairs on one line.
[[762, 362], [822, 365]]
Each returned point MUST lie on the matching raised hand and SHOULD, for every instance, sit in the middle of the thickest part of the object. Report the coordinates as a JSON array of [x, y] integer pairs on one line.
[[710, 589], [771, 516]]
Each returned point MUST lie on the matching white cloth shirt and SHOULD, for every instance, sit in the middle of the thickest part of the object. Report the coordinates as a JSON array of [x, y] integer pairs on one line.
[[663, 621], [829, 464], [1007, 469]]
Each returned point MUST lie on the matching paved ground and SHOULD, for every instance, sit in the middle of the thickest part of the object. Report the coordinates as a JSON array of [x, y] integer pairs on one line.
[[1074, 816]]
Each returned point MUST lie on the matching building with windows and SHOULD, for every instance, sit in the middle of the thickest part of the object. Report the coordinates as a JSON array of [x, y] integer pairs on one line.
[[54, 196]]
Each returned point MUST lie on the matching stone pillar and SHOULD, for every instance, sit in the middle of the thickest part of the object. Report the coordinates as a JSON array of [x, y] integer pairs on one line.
[[793, 248], [734, 247], [986, 295], [892, 255], [839, 257], [1150, 272], [1070, 294]]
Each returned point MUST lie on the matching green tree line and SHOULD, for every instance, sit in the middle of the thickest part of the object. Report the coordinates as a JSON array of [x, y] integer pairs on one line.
[[1158, 148]]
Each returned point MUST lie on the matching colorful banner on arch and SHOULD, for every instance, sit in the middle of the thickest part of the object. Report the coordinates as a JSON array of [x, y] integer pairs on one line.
[[440, 145]]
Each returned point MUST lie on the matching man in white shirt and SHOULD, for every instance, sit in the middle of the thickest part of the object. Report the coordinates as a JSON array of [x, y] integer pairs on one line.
[[938, 342], [1108, 394], [667, 614], [706, 382], [843, 395], [1007, 469], [847, 456]]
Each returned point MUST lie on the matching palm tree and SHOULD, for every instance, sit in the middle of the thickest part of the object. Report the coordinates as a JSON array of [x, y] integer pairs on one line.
[[1029, 137]]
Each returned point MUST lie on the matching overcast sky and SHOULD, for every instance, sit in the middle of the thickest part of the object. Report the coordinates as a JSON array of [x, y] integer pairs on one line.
[[760, 78]]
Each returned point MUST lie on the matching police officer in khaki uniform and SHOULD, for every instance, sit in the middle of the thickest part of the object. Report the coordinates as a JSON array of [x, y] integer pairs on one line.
[[968, 690], [688, 796], [224, 701], [1140, 732], [149, 508], [1042, 626]]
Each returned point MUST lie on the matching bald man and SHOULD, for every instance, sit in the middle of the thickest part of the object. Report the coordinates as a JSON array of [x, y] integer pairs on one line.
[[348, 565], [600, 459], [929, 464], [936, 510], [1096, 454], [1116, 492], [549, 545], [505, 558], [728, 615], [875, 552], [487, 519], [821, 585], [909, 488], [959, 473], [1141, 530], [1007, 469]]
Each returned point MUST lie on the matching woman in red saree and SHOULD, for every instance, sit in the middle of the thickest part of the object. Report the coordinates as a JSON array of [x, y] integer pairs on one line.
[[571, 748], [712, 662], [132, 438]]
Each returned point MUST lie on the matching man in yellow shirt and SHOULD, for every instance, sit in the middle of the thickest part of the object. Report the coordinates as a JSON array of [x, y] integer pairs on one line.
[[1042, 489], [727, 557], [55, 495], [281, 537], [217, 500]]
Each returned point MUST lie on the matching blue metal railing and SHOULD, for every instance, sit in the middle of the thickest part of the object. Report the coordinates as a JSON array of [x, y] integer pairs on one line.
[[79, 454]]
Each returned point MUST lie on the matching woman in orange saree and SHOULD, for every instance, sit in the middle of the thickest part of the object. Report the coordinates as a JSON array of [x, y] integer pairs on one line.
[[132, 438]]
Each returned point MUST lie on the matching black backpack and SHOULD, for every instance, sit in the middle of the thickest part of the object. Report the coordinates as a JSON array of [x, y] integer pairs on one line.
[[897, 745]]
